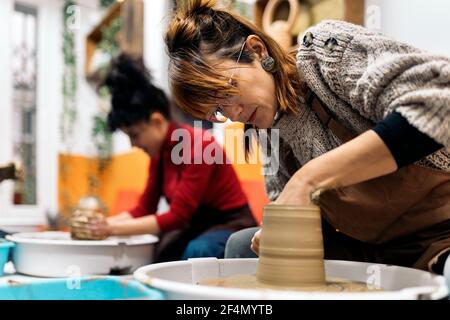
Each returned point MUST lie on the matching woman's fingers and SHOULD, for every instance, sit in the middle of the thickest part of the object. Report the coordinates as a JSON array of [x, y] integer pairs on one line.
[[99, 228], [295, 192], [255, 241], [89, 225]]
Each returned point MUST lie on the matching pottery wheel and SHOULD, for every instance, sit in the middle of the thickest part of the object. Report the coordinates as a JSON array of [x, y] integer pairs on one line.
[[251, 282]]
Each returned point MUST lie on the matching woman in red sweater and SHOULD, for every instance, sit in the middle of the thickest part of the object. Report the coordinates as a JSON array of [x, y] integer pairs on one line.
[[207, 203]]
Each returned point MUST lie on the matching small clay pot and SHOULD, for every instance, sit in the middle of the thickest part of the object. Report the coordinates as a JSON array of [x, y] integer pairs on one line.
[[291, 247]]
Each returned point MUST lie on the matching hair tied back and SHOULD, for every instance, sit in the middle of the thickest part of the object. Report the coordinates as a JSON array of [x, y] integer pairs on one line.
[[194, 7]]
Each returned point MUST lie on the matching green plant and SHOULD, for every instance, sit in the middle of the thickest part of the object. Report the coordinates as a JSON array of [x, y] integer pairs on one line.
[[108, 43], [101, 136], [242, 7], [70, 83], [106, 3], [68, 114], [102, 140]]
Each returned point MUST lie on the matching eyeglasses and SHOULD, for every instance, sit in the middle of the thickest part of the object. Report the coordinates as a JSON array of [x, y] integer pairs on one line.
[[217, 115]]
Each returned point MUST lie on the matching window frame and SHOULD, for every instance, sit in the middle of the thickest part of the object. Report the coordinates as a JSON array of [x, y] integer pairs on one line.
[[48, 98]]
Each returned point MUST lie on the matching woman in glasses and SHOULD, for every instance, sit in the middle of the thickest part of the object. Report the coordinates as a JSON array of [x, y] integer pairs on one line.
[[363, 122], [206, 201]]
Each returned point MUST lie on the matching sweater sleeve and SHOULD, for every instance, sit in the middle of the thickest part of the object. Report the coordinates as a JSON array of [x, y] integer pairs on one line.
[[376, 76], [279, 164], [148, 202], [186, 199], [406, 143]]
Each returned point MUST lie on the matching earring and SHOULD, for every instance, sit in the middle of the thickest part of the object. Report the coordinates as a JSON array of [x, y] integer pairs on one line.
[[268, 64]]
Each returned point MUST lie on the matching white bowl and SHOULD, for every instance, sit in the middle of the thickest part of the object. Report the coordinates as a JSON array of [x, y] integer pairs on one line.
[[55, 254], [178, 281]]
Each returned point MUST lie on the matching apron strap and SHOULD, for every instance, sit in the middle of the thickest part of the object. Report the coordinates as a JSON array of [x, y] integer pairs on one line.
[[321, 110]]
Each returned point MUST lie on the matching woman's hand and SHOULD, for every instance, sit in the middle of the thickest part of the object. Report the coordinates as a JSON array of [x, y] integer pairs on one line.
[[88, 225], [100, 228], [296, 192], [255, 241], [361, 159]]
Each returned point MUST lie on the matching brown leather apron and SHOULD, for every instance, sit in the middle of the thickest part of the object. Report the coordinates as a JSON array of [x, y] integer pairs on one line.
[[403, 217]]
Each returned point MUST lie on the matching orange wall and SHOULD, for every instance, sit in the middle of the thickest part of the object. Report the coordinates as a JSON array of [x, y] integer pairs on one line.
[[126, 174], [249, 173]]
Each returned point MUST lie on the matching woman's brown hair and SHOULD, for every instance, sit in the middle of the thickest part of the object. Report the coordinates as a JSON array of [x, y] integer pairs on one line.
[[198, 30]]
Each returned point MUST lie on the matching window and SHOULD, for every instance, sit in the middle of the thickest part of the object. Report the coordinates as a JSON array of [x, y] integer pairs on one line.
[[24, 102], [31, 58]]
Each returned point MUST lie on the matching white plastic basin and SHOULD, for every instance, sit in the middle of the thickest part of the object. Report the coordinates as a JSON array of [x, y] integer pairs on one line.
[[178, 280], [55, 254]]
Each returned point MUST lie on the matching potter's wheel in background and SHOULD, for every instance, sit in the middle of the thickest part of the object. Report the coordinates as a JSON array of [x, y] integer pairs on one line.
[[178, 280], [55, 254]]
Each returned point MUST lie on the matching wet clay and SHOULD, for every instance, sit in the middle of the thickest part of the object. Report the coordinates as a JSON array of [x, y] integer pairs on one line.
[[291, 247], [291, 255], [89, 210], [251, 282], [80, 221]]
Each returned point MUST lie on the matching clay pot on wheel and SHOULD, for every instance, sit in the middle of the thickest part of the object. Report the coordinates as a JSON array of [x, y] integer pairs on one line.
[[291, 247]]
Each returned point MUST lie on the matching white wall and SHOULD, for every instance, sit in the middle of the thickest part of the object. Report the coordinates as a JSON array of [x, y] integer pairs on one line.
[[422, 23], [156, 17]]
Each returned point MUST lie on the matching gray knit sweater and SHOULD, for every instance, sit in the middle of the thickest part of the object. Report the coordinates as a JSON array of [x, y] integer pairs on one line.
[[362, 76]]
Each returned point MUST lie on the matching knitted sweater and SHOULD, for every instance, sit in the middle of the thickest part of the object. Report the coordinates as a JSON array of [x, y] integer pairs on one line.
[[362, 76]]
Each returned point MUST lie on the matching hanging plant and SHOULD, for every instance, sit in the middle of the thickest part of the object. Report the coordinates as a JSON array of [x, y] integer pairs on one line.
[[108, 43], [101, 136], [69, 111], [106, 49], [68, 115], [244, 8], [102, 140], [106, 3]]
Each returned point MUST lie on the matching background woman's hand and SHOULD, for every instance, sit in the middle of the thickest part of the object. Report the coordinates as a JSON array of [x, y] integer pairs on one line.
[[89, 225], [100, 228]]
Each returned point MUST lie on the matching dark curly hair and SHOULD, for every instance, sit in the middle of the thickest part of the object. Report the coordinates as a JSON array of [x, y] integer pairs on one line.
[[133, 96]]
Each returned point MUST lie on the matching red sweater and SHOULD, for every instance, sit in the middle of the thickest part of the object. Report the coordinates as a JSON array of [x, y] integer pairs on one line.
[[188, 186]]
